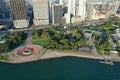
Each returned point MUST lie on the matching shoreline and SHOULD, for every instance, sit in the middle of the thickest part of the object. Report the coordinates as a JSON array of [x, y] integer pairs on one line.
[[66, 54], [55, 55]]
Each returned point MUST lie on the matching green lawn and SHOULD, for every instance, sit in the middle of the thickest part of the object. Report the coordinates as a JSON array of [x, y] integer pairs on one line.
[[4, 57], [43, 43]]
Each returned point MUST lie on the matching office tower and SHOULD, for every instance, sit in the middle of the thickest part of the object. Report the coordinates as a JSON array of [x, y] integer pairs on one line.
[[57, 14], [82, 9], [70, 11], [3, 9], [50, 10], [89, 9], [116, 4], [72, 5], [19, 13], [61, 2], [105, 6], [41, 12]]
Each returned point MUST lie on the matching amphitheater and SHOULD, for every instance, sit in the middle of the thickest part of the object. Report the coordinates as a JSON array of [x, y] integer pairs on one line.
[[26, 53]]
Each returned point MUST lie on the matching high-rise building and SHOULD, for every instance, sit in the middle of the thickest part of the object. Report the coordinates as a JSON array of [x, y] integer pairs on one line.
[[89, 9], [116, 4], [60, 2], [57, 14], [76, 10], [50, 10], [82, 9], [19, 13], [70, 10], [72, 5], [41, 12], [3, 9], [105, 6]]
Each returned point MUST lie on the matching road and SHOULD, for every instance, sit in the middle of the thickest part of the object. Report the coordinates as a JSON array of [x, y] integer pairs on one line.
[[91, 43], [29, 37], [2, 34], [94, 23]]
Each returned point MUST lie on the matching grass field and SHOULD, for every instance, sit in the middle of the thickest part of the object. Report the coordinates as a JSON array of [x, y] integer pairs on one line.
[[43, 43]]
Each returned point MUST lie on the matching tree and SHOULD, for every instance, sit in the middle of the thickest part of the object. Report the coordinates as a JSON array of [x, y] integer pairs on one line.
[[52, 45], [57, 37], [15, 39], [116, 42], [39, 32], [3, 47], [79, 39], [36, 35], [45, 35], [118, 49], [64, 43]]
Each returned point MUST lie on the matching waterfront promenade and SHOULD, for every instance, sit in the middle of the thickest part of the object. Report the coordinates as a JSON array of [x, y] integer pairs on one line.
[[56, 54], [16, 59], [44, 55]]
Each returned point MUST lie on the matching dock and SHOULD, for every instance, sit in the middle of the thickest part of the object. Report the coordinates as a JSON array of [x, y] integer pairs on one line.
[[107, 60]]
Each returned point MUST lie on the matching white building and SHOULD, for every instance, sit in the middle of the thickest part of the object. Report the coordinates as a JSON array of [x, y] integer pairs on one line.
[[116, 4], [82, 9], [77, 11], [41, 12], [70, 11], [71, 7], [61, 2], [89, 9], [21, 23]]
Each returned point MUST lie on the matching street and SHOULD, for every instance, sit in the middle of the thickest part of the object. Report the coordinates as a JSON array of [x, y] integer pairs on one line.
[[94, 23]]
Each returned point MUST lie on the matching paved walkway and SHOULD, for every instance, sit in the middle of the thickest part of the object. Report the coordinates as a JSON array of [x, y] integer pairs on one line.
[[15, 58], [29, 37], [55, 54]]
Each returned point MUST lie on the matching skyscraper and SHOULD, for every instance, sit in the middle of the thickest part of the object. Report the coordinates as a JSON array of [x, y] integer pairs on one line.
[[18, 10], [3, 9], [89, 9], [71, 7], [116, 4], [105, 6], [57, 14], [82, 9], [50, 10], [41, 12], [60, 2], [70, 10], [76, 9]]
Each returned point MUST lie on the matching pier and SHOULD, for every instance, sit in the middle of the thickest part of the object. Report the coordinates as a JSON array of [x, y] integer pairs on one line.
[[107, 60]]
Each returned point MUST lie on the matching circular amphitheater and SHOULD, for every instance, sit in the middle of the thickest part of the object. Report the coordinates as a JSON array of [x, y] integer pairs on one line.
[[27, 51]]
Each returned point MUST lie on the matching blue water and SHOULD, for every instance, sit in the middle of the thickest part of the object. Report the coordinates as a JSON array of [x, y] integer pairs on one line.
[[67, 68]]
